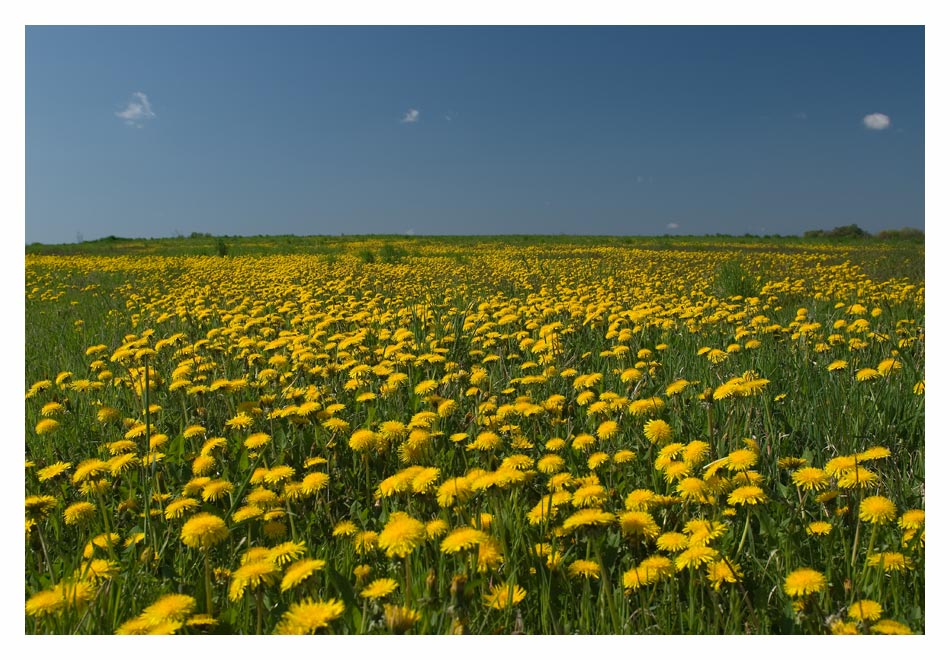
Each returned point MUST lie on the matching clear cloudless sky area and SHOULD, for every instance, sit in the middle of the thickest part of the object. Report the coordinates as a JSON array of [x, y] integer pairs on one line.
[[164, 131]]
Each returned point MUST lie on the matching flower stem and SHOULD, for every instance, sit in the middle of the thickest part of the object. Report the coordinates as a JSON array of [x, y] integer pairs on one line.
[[208, 601], [745, 531]]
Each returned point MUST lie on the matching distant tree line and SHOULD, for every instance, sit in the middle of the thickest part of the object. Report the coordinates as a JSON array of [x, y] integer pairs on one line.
[[853, 231]]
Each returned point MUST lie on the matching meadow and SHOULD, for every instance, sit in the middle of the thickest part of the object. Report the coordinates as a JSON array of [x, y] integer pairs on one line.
[[544, 435]]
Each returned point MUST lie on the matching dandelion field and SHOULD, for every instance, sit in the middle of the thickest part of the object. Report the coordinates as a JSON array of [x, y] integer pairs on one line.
[[436, 436]]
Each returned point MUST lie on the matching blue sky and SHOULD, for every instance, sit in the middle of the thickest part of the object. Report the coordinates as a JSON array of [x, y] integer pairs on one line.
[[145, 131]]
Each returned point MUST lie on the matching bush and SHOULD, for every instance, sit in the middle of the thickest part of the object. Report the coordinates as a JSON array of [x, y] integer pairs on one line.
[[905, 234], [848, 231]]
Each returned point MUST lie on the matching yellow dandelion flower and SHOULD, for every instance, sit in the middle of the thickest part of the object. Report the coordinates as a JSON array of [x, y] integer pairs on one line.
[[889, 365], [658, 431], [695, 451], [78, 513], [638, 523], [873, 453], [299, 571], [45, 426], [251, 574], [344, 528], [308, 616], [746, 495], [193, 431], [639, 500], [692, 489], [40, 505], [52, 471], [702, 532], [401, 535], [672, 542], [890, 561], [52, 409], [624, 456], [203, 530], [287, 552], [607, 430], [363, 440], [804, 581], [216, 490], [455, 488], [489, 555], [638, 577], [256, 440], [379, 588], [839, 627], [584, 568], [170, 607], [485, 441], [695, 556], [866, 374], [856, 478], [865, 610], [178, 508], [721, 572], [588, 518], [911, 519], [45, 603], [504, 595], [399, 619], [426, 387], [583, 442], [818, 528], [436, 528], [597, 459], [741, 459], [676, 387], [462, 538], [550, 463], [649, 406], [891, 627], [202, 465], [810, 478], [425, 480], [589, 496], [314, 482], [365, 542], [877, 509]]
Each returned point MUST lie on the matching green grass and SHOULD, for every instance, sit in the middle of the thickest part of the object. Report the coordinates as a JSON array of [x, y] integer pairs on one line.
[[471, 298]]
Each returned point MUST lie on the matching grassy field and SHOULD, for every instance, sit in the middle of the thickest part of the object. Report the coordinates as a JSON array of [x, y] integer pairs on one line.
[[546, 435]]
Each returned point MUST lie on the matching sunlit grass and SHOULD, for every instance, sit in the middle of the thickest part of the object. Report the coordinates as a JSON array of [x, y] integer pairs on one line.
[[550, 438]]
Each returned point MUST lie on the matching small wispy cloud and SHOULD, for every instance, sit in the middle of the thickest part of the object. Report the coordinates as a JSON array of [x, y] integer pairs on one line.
[[673, 225], [411, 117], [877, 121], [801, 115], [137, 111]]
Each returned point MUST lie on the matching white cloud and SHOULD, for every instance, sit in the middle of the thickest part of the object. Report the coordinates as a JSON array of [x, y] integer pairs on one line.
[[877, 121], [673, 225], [137, 111], [411, 117]]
